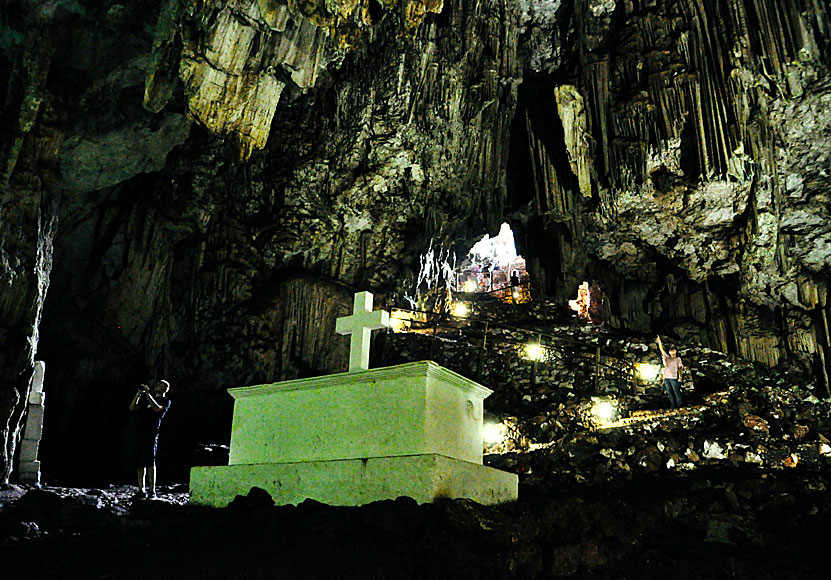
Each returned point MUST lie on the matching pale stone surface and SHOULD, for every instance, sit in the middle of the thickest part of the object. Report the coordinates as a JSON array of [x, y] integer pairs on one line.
[[233, 62], [356, 482], [28, 450], [29, 466], [36, 384], [254, 98], [34, 423], [572, 111], [410, 430], [409, 409], [360, 325], [30, 471]]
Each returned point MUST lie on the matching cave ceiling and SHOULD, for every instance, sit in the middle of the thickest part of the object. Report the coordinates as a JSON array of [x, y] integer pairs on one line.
[[194, 188]]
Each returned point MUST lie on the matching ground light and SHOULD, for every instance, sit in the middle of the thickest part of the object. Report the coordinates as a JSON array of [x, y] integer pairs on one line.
[[533, 351], [471, 286], [648, 372], [494, 433], [460, 310], [604, 410]]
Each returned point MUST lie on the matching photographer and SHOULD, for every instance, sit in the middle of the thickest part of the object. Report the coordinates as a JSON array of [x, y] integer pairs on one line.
[[151, 405]]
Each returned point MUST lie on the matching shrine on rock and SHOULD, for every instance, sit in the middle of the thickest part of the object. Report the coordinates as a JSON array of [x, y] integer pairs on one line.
[[352, 438]]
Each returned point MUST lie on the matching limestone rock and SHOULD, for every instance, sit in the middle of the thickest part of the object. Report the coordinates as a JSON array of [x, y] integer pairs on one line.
[[101, 161]]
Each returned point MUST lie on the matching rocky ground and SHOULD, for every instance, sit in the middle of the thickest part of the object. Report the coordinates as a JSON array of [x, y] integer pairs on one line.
[[735, 485], [717, 522]]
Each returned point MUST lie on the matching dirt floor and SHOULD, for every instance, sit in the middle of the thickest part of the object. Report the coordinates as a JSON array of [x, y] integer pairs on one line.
[[714, 523]]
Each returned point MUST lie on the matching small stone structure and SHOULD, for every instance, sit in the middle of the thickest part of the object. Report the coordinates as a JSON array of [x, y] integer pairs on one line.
[[29, 466], [360, 325], [352, 438]]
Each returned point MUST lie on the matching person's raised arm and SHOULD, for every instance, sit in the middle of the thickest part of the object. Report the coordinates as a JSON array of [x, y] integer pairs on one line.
[[153, 404], [661, 347], [134, 403]]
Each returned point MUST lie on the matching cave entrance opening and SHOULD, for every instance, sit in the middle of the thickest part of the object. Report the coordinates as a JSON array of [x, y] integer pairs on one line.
[[490, 271], [493, 267]]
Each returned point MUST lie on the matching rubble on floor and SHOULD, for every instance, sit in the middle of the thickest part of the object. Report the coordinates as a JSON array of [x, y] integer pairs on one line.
[[735, 411], [715, 522]]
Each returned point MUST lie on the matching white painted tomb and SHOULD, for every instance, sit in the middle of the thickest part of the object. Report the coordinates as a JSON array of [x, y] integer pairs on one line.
[[352, 438]]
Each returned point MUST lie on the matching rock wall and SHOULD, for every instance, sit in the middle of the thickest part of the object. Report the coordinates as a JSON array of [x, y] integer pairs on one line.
[[176, 259], [681, 169], [30, 136], [226, 173]]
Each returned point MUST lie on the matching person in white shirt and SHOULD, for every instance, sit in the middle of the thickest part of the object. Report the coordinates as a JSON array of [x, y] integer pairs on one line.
[[672, 374]]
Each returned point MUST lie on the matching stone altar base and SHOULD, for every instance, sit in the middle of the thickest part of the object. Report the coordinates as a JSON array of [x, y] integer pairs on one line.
[[353, 438], [353, 482]]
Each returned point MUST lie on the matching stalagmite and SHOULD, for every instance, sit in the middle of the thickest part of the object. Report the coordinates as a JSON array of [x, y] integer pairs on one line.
[[29, 466]]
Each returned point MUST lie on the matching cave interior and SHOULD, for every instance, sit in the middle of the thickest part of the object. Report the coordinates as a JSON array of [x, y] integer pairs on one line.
[[194, 191]]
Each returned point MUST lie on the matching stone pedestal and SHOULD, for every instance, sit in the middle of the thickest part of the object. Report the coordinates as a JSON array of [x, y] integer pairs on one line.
[[348, 439], [29, 466]]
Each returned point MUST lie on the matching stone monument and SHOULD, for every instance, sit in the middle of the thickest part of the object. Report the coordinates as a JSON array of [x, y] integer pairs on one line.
[[29, 466], [352, 438]]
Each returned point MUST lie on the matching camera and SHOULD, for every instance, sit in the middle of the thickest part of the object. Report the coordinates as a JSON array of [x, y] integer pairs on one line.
[[141, 398]]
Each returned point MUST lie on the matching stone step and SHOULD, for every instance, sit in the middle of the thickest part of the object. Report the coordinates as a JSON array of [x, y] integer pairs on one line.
[[637, 417]]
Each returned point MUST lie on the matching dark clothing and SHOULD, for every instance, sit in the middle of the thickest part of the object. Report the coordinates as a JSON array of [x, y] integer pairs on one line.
[[673, 389], [148, 424], [146, 446], [148, 418]]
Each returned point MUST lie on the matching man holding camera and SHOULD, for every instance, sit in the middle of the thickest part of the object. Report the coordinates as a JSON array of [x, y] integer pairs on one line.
[[150, 406]]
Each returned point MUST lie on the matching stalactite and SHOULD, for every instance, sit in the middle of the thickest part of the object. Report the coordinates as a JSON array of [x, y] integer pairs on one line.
[[686, 103], [235, 57]]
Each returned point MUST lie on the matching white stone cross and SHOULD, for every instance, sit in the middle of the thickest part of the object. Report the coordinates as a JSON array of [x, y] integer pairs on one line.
[[360, 325]]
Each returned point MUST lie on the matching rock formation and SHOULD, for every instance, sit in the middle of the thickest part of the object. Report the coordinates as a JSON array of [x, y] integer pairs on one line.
[[194, 189]]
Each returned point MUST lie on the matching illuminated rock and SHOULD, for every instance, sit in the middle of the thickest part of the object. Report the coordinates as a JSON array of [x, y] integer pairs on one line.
[[237, 56], [234, 64]]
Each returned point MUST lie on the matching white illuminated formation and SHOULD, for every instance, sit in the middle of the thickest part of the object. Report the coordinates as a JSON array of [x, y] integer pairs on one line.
[[583, 302], [360, 325], [501, 249]]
